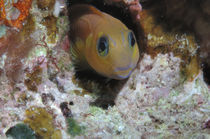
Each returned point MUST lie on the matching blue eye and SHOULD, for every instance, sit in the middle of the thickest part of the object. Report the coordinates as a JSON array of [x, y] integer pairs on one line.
[[131, 39], [103, 46]]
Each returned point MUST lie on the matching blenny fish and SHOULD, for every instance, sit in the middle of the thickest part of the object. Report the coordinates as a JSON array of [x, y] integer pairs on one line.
[[101, 43]]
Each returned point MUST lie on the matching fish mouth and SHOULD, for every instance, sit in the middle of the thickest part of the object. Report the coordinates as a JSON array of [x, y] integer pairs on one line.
[[123, 72]]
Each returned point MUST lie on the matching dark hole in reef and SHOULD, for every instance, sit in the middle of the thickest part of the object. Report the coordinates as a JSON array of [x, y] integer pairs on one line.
[[65, 110], [71, 103], [170, 22], [206, 72], [106, 89]]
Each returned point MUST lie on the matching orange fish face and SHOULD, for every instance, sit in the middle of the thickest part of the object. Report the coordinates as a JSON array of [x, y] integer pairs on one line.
[[114, 53], [102, 43]]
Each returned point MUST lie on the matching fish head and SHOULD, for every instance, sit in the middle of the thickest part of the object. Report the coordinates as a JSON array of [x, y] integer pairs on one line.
[[112, 50]]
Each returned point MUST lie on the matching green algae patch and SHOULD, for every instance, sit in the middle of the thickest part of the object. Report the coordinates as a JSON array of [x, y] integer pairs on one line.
[[96, 110], [74, 129], [42, 123], [20, 131]]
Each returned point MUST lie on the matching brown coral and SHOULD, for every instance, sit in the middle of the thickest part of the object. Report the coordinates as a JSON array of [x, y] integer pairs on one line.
[[34, 79], [45, 4], [42, 123], [50, 23]]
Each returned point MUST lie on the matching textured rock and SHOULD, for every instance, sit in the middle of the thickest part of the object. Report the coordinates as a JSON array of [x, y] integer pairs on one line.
[[165, 96]]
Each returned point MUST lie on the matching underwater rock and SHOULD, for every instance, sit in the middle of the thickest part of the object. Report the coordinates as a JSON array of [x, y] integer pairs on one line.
[[50, 23], [187, 16], [160, 40], [196, 15], [155, 102], [207, 124], [15, 51], [133, 5], [28, 28], [135, 8], [45, 4], [47, 97], [34, 79], [14, 12], [65, 110]]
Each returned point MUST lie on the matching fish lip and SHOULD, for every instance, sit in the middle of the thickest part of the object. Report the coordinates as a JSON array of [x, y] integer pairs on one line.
[[125, 76], [129, 69], [124, 68]]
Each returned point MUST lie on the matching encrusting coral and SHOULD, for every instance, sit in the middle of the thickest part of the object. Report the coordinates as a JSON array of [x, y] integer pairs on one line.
[[42, 123], [14, 13]]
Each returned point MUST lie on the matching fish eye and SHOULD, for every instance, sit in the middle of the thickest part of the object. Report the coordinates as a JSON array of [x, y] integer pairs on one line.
[[103, 46], [131, 39]]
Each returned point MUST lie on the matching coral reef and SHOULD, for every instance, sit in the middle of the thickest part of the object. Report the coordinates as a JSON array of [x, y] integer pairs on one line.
[[41, 95], [159, 40], [187, 16]]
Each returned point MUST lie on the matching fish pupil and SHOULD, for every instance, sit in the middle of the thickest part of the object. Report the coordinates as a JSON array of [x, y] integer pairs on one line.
[[103, 46], [131, 39]]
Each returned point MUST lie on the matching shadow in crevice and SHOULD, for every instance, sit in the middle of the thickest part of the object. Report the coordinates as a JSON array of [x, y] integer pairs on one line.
[[105, 89], [206, 72]]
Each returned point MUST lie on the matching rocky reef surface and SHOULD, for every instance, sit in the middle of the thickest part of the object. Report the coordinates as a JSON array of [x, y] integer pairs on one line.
[[42, 97]]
